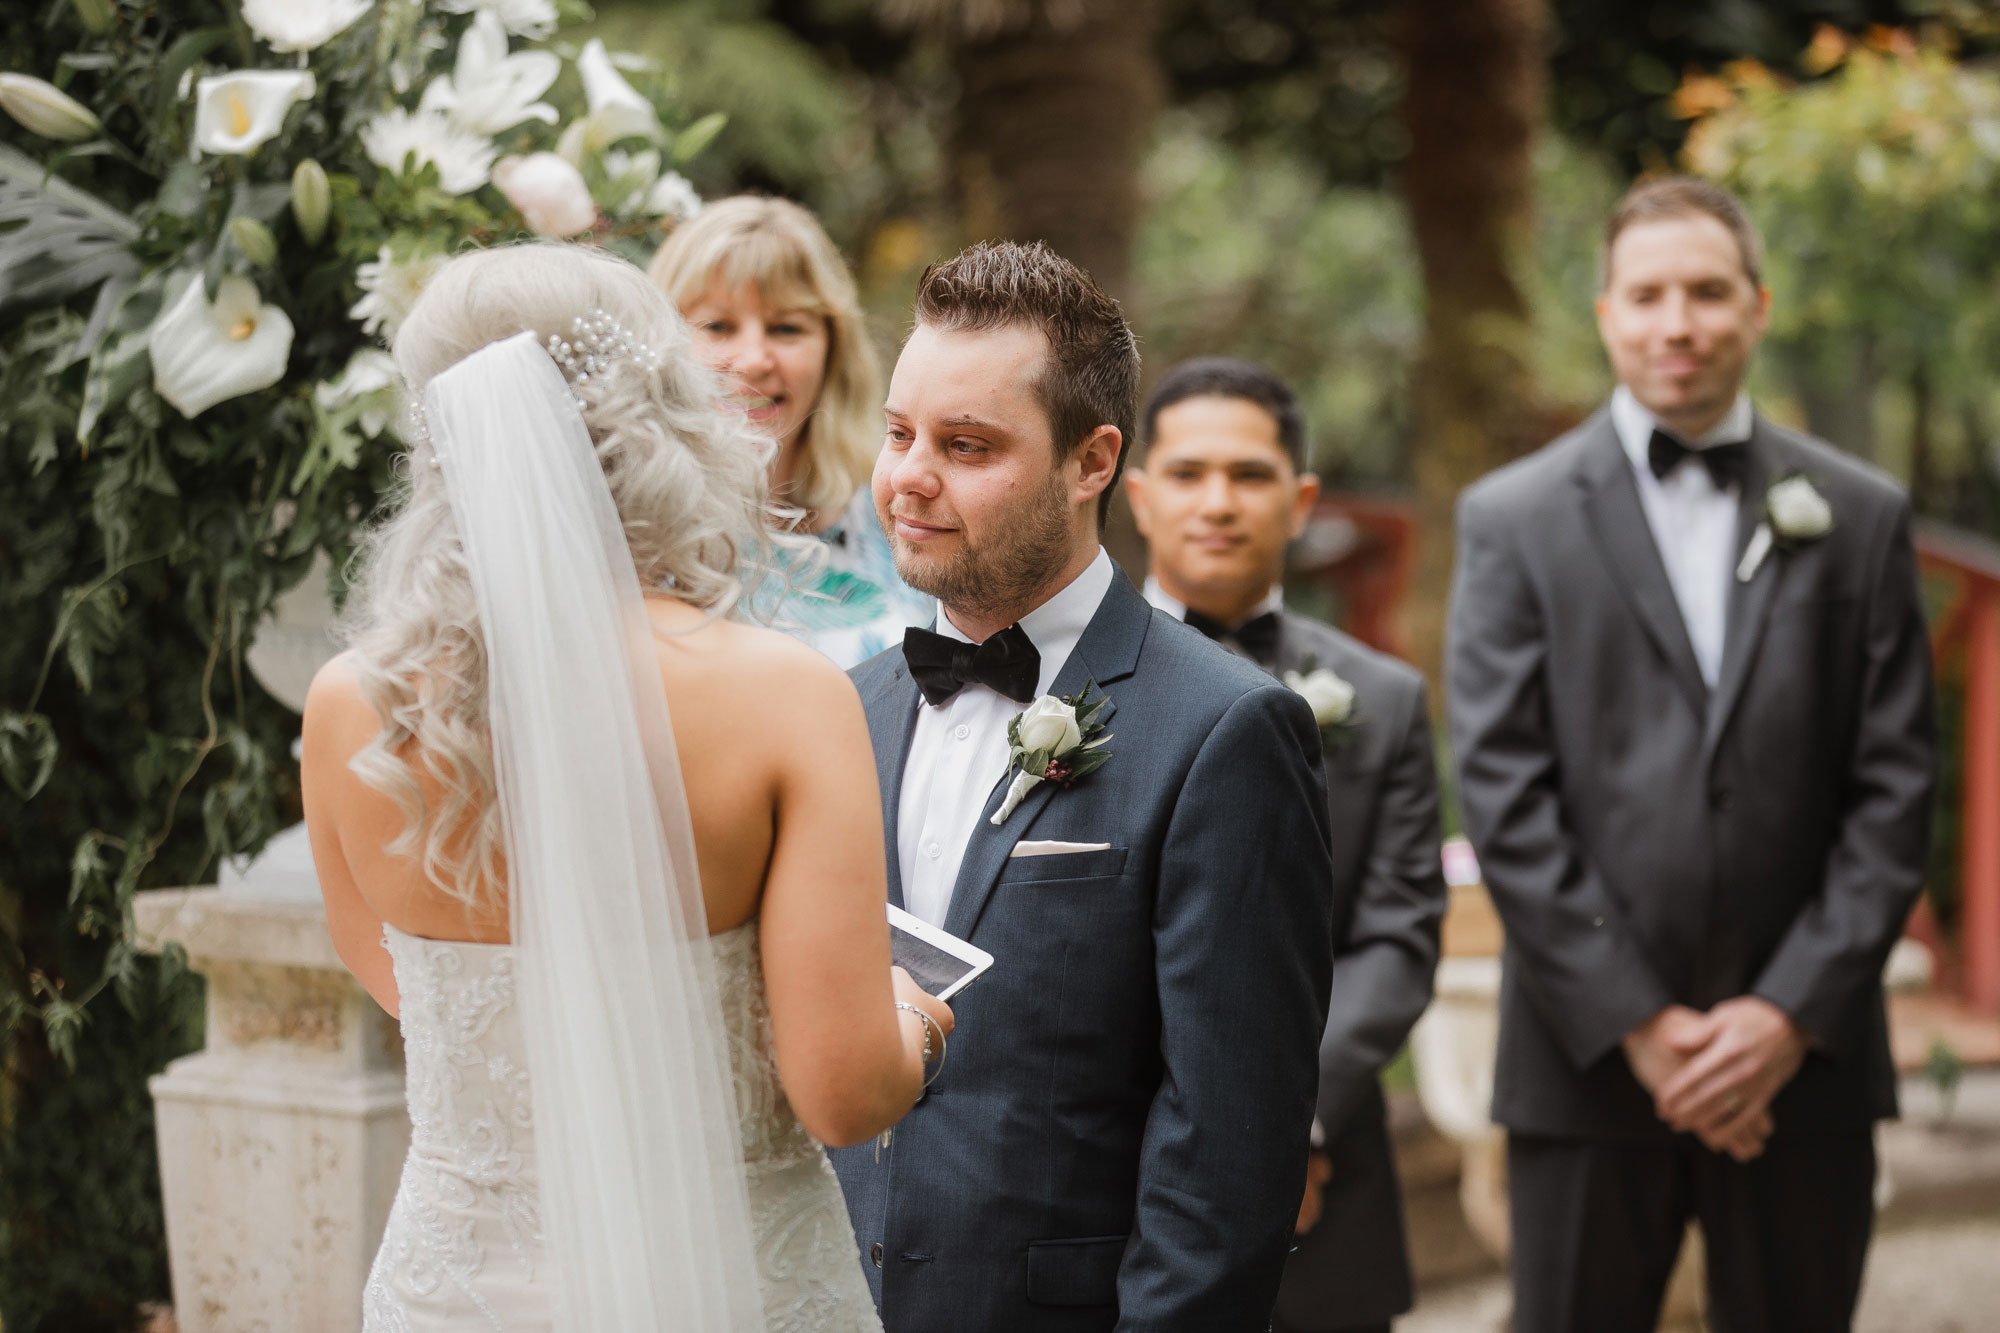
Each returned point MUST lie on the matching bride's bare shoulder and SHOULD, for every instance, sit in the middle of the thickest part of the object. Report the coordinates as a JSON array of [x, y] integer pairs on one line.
[[335, 704], [748, 662]]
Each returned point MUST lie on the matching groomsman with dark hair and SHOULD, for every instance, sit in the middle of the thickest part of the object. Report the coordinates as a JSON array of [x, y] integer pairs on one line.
[[1690, 697], [1223, 489]]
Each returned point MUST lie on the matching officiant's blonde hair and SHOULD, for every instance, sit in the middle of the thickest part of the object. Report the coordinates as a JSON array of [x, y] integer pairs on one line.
[[689, 481], [781, 248]]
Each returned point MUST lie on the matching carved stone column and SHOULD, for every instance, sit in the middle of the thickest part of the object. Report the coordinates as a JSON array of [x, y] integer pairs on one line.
[[282, 1141]]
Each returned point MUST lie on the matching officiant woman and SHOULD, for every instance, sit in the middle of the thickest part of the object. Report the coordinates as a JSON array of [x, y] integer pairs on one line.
[[773, 308]]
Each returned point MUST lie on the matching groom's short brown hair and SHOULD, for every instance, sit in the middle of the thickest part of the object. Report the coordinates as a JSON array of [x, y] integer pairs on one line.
[[1091, 375]]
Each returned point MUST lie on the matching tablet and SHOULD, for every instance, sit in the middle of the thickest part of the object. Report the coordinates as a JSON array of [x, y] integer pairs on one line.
[[942, 964]]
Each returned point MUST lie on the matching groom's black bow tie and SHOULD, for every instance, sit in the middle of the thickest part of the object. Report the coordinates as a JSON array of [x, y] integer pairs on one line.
[[1726, 463], [941, 665], [1258, 636]]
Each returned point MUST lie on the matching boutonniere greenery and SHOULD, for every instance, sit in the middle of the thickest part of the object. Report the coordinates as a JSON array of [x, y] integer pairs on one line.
[[1331, 698], [1794, 513], [1056, 739]]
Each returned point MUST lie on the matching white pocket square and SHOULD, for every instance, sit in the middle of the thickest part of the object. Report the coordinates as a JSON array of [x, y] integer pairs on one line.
[[1056, 848]]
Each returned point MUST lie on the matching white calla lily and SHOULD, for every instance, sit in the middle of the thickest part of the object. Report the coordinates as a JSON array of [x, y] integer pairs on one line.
[[673, 195], [302, 25], [617, 110], [237, 112], [204, 353], [41, 107], [524, 18], [490, 91], [464, 159]]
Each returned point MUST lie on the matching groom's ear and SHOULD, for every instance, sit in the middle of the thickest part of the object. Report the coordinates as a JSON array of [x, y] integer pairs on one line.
[[1097, 461]]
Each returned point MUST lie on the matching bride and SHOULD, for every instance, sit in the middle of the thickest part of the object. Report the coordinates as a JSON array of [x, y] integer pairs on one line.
[[614, 859]]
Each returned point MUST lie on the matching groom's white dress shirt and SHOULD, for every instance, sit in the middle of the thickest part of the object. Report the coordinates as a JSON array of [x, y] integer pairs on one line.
[[1274, 601], [958, 750], [1693, 522]]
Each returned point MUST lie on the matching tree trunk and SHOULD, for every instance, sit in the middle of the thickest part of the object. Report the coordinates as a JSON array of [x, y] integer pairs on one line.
[[1472, 104], [1053, 115]]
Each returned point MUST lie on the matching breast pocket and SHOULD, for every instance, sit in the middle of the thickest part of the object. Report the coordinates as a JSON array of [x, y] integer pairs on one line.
[[1104, 863]]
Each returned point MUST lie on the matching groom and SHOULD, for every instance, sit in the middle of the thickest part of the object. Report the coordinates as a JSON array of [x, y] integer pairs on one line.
[[1117, 1137]]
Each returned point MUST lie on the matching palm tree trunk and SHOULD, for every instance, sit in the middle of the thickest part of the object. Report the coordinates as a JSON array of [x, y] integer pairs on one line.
[[1474, 73], [1054, 109]]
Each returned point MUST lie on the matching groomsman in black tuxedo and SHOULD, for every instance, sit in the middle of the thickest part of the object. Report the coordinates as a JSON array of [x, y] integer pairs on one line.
[[1690, 696], [1224, 488]]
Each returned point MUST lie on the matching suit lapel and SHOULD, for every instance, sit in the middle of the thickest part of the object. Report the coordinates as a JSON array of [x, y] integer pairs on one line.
[[1749, 603], [892, 717], [1619, 520], [1107, 652]]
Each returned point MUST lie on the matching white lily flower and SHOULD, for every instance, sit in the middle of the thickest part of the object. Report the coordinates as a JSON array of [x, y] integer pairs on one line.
[[673, 195], [488, 90], [617, 111], [42, 108], [237, 112], [549, 192], [302, 25], [523, 18], [369, 377], [204, 354], [464, 160], [389, 289]]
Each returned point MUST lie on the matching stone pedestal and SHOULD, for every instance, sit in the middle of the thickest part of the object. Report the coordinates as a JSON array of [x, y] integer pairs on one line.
[[282, 1141]]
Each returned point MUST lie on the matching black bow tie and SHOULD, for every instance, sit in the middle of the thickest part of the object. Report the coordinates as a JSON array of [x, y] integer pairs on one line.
[[1007, 663], [1257, 636], [1726, 463]]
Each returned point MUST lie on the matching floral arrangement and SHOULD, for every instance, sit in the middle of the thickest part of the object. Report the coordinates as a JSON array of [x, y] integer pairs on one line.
[[211, 215]]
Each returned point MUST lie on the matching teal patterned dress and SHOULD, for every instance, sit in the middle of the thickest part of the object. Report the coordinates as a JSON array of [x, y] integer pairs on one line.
[[853, 605]]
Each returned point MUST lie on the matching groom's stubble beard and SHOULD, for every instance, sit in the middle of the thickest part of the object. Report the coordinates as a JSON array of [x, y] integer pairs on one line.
[[1003, 573]]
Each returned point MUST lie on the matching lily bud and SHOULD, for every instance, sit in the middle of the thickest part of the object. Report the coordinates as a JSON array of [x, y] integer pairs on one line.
[[45, 109], [312, 200], [255, 240], [93, 14]]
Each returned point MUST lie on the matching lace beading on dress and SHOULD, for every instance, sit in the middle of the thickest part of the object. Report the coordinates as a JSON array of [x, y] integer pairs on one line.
[[462, 1249]]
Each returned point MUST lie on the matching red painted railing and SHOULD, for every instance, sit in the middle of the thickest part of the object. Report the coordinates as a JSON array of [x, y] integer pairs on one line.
[[1970, 626]]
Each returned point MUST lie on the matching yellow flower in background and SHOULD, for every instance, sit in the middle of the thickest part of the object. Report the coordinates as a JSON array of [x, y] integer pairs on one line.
[[204, 353], [45, 109], [238, 112]]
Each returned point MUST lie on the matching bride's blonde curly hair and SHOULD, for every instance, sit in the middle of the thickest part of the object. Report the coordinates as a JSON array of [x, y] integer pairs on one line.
[[689, 478]]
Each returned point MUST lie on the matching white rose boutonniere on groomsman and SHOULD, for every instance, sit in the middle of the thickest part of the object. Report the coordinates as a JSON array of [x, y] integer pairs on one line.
[[1794, 513], [1053, 740], [1331, 698]]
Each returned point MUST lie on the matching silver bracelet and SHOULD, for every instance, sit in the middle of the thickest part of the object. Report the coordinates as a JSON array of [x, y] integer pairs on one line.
[[930, 1024]]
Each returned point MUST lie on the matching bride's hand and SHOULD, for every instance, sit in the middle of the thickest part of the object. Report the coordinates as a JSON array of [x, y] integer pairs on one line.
[[910, 992]]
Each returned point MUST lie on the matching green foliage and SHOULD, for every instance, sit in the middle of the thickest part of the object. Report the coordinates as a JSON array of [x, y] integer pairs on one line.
[[140, 547], [1878, 190], [1250, 253]]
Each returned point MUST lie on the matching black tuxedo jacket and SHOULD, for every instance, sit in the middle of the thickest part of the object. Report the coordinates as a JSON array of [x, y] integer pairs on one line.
[[1389, 900], [1649, 840], [1118, 1135]]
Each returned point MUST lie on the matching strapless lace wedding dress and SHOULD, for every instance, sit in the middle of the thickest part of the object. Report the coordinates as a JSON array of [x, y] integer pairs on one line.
[[463, 1248]]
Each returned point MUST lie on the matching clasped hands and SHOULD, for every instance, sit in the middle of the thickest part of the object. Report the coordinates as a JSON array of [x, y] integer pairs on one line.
[[1714, 1074]]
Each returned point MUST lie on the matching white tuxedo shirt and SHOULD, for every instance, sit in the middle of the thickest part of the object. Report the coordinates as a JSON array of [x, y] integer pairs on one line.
[[958, 749], [1693, 522]]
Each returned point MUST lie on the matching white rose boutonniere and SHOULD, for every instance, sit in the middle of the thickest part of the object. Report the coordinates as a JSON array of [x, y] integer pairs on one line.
[[1794, 513], [1055, 740], [1330, 696]]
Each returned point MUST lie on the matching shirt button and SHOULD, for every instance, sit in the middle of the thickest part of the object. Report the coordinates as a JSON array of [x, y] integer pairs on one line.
[[934, 851], [875, 1254], [961, 731]]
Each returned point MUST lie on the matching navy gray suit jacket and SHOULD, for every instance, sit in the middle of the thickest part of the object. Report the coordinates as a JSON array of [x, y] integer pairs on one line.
[[1353, 1268], [1648, 839], [1118, 1136]]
